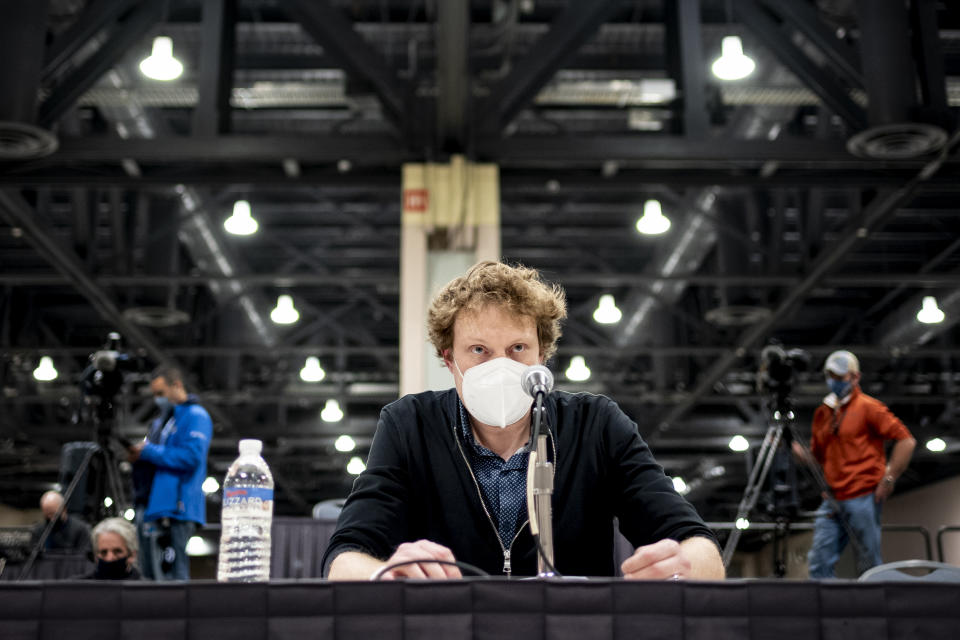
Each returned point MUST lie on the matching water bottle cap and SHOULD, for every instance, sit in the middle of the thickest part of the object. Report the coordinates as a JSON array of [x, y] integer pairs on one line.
[[250, 447]]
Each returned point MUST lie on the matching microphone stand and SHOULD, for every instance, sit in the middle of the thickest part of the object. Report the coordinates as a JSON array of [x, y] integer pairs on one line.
[[540, 488]]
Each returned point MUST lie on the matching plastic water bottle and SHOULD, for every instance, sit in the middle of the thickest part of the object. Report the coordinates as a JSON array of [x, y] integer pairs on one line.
[[246, 518]]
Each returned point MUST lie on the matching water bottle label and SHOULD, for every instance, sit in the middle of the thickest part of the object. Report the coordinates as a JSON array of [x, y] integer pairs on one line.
[[248, 497]]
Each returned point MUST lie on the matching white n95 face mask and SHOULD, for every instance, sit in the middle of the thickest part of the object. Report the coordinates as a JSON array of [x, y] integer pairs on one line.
[[492, 392]]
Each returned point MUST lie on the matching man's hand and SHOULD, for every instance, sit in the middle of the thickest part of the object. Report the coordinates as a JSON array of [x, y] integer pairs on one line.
[[133, 452], [658, 561], [799, 453], [422, 550], [884, 489]]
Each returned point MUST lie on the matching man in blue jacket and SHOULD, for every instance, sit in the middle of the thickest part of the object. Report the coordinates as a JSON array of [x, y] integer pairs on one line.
[[178, 454]]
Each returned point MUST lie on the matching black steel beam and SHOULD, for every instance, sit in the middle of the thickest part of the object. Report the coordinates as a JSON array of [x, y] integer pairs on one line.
[[888, 70], [19, 214], [128, 32], [96, 16], [211, 115], [928, 53], [592, 60], [22, 30], [569, 151], [331, 30], [567, 33], [232, 149], [821, 81], [547, 151], [514, 179], [453, 74], [874, 217], [685, 52], [593, 280], [843, 56], [566, 349]]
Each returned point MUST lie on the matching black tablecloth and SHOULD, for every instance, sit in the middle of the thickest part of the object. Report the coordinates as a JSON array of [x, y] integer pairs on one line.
[[50, 566], [526, 610]]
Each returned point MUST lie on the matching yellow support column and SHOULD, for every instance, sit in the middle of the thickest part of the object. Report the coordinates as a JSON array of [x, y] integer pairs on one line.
[[451, 220]]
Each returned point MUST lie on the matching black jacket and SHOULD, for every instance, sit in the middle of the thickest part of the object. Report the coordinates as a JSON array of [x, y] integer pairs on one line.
[[132, 574], [68, 536], [418, 485]]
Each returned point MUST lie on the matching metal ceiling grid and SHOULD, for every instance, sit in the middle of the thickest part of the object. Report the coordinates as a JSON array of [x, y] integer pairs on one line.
[[324, 99]]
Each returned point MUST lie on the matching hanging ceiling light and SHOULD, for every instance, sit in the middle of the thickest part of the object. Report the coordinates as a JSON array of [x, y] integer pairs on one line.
[[284, 312], [210, 485], [45, 372], [312, 371], [738, 443], [652, 222], [578, 370], [331, 412], [129, 514], [930, 313], [160, 64], [355, 466], [606, 311], [936, 445], [345, 443], [680, 486], [241, 223], [732, 63], [198, 546]]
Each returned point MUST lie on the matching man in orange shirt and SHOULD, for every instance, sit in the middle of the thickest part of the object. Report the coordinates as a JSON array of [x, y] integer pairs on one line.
[[849, 432]]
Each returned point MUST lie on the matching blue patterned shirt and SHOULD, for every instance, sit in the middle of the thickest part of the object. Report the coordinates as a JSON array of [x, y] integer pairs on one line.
[[503, 483]]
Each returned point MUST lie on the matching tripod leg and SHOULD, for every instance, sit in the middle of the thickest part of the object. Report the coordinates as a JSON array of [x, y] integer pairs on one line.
[[114, 484], [80, 473], [752, 491]]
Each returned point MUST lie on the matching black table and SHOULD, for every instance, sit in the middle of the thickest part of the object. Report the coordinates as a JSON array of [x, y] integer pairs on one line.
[[525, 610]]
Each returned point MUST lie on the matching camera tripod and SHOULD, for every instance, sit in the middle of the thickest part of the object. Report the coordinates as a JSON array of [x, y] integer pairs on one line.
[[782, 419], [114, 487]]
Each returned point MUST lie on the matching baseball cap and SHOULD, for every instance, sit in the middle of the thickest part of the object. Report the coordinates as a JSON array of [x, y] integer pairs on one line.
[[842, 363]]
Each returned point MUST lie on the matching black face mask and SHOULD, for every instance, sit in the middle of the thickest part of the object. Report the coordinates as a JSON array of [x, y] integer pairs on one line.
[[111, 569]]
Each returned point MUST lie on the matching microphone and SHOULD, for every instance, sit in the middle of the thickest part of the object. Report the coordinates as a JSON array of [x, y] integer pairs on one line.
[[536, 379]]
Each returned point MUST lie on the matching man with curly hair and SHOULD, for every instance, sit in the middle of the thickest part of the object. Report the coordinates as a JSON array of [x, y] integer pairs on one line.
[[445, 479]]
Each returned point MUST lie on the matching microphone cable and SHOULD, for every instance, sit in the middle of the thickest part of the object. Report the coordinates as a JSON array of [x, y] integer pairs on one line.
[[463, 566]]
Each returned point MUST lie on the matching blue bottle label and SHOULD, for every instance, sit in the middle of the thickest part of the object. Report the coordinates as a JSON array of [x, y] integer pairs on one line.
[[247, 496]]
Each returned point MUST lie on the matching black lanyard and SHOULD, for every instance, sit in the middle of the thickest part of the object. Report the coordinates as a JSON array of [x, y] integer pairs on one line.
[[838, 417]]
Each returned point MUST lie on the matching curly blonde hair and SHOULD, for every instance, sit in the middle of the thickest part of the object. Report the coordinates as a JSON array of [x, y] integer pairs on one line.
[[516, 289]]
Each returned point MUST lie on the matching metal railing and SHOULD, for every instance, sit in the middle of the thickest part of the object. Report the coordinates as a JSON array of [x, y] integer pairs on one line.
[[942, 530], [788, 527]]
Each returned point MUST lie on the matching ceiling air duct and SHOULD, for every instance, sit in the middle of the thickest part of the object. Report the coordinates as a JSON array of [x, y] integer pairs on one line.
[[22, 37], [891, 84]]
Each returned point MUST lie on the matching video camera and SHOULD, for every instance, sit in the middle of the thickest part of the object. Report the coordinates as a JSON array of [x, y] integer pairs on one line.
[[100, 382], [778, 368], [103, 377], [96, 468]]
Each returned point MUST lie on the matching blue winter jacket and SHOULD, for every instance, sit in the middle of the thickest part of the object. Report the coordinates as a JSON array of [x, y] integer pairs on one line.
[[180, 458]]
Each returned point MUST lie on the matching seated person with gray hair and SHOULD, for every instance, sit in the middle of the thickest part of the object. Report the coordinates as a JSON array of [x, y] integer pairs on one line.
[[115, 545]]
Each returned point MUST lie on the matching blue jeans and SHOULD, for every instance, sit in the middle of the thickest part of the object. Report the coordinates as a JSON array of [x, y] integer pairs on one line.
[[830, 536], [156, 537]]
